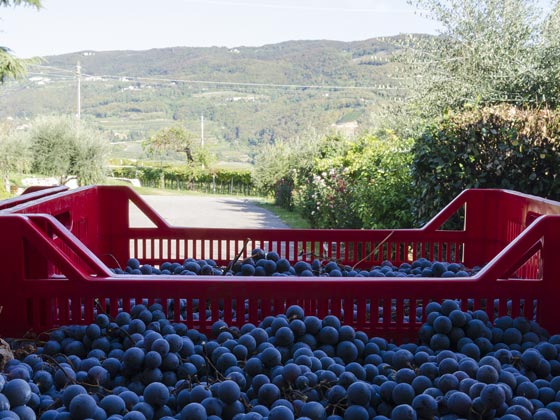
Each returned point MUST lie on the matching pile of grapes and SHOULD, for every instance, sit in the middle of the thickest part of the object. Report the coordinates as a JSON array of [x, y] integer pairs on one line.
[[142, 366], [271, 264]]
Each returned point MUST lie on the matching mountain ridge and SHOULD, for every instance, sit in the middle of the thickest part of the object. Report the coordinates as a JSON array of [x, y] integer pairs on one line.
[[249, 96]]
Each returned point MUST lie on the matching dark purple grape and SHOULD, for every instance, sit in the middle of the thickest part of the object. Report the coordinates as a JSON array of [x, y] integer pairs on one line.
[[82, 406], [313, 410], [193, 411], [156, 394], [359, 393], [492, 396], [459, 403], [280, 413], [403, 393], [355, 412], [229, 391], [213, 406], [403, 412], [425, 405], [268, 393], [113, 404]]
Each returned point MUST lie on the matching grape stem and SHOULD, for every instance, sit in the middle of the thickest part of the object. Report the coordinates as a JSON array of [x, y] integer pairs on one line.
[[379, 245]]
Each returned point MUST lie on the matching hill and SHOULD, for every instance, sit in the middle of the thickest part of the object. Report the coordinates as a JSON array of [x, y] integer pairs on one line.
[[248, 96]]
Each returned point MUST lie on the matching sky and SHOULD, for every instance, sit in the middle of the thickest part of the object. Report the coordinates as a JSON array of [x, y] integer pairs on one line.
[[64, 26]]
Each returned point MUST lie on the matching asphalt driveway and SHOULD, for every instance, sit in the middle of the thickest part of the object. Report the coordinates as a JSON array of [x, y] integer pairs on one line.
[[205, 211]]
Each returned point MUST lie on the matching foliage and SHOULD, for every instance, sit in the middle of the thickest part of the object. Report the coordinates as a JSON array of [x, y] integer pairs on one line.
[[336, 182], [64, 148], [11, 66], [184, 177], [358, 184], [171, 139], [487, 52], [379, 167], [14, 155], [239, 120], [323, 194], [278, 166], [494, 147], [34, 3]]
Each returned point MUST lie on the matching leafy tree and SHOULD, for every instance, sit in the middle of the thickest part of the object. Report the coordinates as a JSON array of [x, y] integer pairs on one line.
[[487, 52], [324, 193], [380, 171], [11, 66], [65, 148], [278, 167], [14, 156], [493, 147], [175, 140]]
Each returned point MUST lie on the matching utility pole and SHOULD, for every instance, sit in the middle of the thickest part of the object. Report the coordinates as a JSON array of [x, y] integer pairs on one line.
[[78, 76], [201, 130], [202, 136]]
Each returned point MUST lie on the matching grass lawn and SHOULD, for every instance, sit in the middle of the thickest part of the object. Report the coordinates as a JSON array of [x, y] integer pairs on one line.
[[291, 218]]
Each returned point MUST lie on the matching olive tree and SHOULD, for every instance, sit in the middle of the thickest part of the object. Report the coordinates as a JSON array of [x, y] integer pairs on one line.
[[173, 140], [65, 148], [486, 52], [14, 156]]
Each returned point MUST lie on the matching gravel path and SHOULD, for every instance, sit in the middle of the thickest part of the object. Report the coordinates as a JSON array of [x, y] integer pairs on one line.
[[204, 211]]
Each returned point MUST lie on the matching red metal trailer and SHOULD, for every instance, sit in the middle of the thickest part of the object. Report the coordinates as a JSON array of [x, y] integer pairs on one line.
[[57, 249]]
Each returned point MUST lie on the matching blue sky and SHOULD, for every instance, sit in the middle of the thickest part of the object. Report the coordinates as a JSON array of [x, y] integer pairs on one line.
[[64, 26]]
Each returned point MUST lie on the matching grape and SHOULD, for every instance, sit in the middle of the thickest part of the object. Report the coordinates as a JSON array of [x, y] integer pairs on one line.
[[356, 412], [531, 358], [112, 404], [442, 324], [403, 412], [82, 406], [156, 394], [440, 341], [24, 412], [359, 393], [313, 410], [347, 351], [193, 411], [281, 413], [284, 336], [403, 393], [492, 396], [520, 411], [459, 403], [425, 405], [328, 335], [268, 393], [487, 374], [213, 406], [527, 389], [229, 391], [544, 414], [421, 383], [447, 382], [271, 357]]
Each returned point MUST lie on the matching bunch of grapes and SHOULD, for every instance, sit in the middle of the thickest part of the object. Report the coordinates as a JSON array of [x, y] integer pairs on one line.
[[140, 365]]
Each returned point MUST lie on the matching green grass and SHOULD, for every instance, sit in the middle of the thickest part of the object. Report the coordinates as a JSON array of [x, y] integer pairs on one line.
[[291, 218]]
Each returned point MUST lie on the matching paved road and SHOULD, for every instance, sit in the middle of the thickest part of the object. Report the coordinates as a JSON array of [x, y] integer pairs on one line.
[[203, 211]]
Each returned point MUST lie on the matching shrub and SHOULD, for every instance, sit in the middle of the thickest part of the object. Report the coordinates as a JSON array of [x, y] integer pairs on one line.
[[494, 147]]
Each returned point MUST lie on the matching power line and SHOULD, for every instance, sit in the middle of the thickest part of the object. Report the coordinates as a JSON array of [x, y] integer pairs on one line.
[[237, 84]]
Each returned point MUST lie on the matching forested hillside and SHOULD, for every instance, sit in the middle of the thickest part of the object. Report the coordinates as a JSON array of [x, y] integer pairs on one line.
[[248, 96]]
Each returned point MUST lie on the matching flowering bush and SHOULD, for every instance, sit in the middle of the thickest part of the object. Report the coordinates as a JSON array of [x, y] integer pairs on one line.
[[358, 184]]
